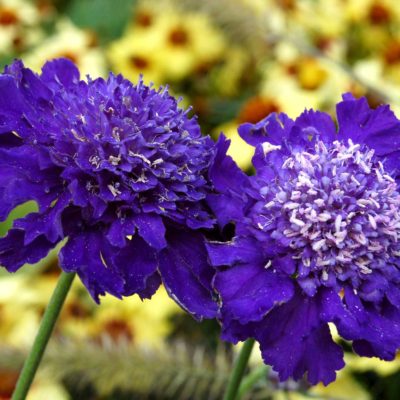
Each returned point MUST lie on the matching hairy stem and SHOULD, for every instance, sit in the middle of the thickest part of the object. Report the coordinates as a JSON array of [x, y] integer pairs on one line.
[[238, 370], [46, 328]]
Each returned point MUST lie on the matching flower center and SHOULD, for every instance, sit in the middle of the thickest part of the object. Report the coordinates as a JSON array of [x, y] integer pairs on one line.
[[336, 208]]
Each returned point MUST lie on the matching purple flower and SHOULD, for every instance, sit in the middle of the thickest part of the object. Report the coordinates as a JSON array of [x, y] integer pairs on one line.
[[316, 240], [116, 168]]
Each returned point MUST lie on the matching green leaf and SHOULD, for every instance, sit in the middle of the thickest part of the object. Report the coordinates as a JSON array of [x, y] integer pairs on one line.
[[107, 18]]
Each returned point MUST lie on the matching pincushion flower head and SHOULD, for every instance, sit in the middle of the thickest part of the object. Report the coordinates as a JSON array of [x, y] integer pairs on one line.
[[316, 239], [116, 168]]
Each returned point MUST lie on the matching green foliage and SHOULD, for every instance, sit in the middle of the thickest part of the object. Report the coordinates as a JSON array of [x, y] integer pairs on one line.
[[109, 368], [107, 18]]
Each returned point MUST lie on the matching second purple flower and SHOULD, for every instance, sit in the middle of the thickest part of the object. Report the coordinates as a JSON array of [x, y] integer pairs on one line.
[[316, 240]]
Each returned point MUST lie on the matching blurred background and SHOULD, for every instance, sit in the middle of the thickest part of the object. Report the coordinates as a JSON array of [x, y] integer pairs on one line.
[[233, 61]]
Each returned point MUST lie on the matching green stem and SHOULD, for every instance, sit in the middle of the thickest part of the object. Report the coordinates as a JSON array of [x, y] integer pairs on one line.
[[238, 370], [251, 379], [46, 328]]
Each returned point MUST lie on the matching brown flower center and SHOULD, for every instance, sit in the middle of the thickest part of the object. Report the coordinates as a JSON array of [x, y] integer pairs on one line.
[[178, 37], [379, 14], [143, 19], [8, 17], [257, 108], [392, 53], [139, 62]]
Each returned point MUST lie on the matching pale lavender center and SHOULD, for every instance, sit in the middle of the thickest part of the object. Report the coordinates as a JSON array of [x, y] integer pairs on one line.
[[339, 208]]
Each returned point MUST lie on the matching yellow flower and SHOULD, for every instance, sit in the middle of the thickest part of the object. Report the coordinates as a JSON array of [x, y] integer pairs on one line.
[[19, 26], [141, 322], [227, 76], [363, 364], [325, 17], [137, 52], [298, 82], [70, 42], [253, 110], [372, 12], [166, 45], [46, 388], [386, 78]]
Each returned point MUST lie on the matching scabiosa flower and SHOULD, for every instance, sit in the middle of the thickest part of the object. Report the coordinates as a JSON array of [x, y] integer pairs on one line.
[[316, 240], [116, 168]]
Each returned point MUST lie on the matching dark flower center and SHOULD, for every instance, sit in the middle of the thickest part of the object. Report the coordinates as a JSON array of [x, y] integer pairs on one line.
[[336, 208], [379, 14], [178, 37], [8, 17], [139, 62]]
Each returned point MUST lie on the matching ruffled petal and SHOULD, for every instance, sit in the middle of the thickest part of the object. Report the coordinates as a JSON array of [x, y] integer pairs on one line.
[[84, 253], [48, 223], [60, 72], [187, 275], [375, 332], [151, 228], [138, 263], [295, 341], [378, 128], [14, 253], [272, 129], [119, 230], [10, 111], [240, 250], [314, 125], [227, 208], [248, 292], [224, 173]]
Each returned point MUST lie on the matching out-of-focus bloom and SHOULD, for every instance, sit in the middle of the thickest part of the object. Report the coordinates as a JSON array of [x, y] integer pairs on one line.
[[378, 13], [379, 75], [227, 76], [326, 18], [19, 26], [253, 110], [116, 168], [316, 239], [381, 367], [345, 387], [189, 41], [70, 42], [133, 321], [137, 53], [167, 46], [45, 388], [299, 82]]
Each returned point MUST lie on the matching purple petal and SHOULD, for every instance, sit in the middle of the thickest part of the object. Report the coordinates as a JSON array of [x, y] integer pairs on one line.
[[248, 292], [10, 111], [138, 263], [48, 223], [295, 341], [374, 331], [60, 71], [119, 230], [183, 273], [224, 173], [84, 254], [14, 253], [240, 250], [314, 125], [272, 129], [226, 208], [151, 228], [379, 129]]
